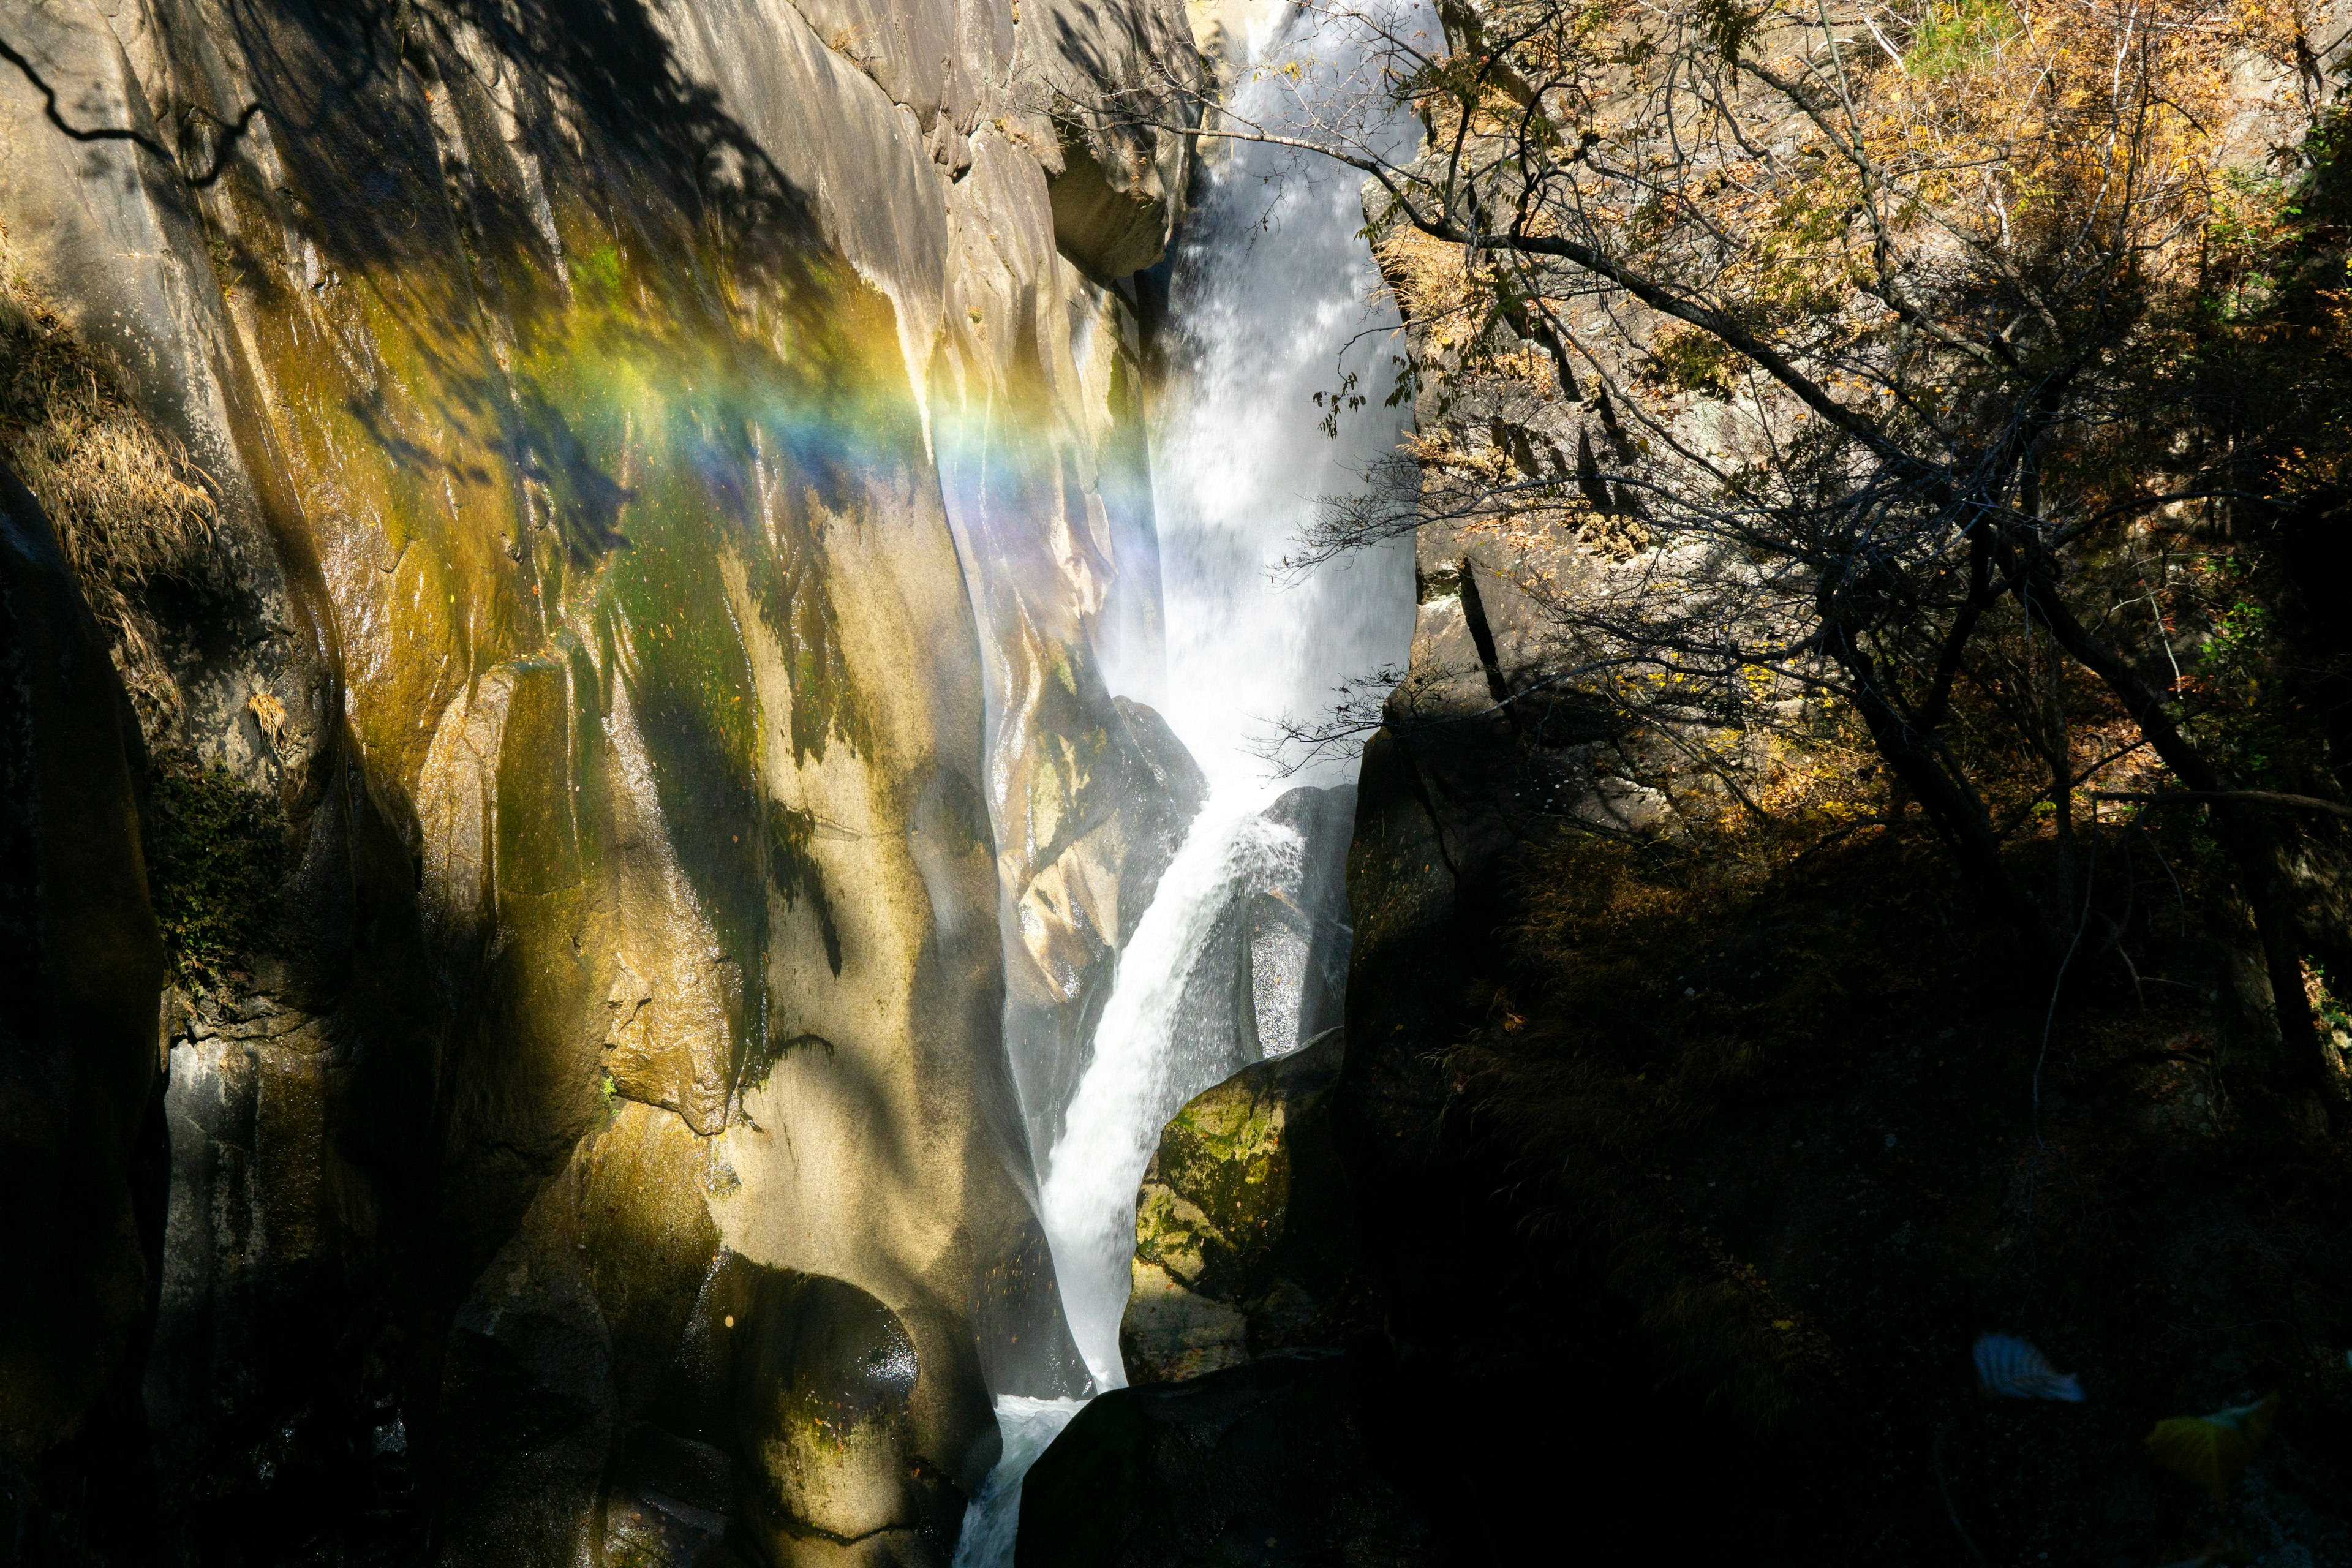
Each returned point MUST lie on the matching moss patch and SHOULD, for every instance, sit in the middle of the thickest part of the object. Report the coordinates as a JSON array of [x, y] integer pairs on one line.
[[217, 862], [1213, 1202]]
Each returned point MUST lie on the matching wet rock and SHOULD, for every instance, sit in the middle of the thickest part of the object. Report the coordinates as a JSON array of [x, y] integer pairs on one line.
[[1282, 1461], [617, 1375], [668, 1503], [660, 1464], [532, 1408], [1245, 1238], [649, 1530], [1273, 969], [826, 1424], [1115, 825], [1301, 936]]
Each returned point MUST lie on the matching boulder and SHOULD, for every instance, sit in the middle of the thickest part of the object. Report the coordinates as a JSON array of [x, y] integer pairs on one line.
[[1244, 1242], [826, 1426], [1281, 1461]]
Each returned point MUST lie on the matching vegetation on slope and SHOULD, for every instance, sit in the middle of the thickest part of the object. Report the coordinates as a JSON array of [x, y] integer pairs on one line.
[[1965, 984], [1903, 443]]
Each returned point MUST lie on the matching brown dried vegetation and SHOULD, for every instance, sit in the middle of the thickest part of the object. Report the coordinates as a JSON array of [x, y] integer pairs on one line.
[[1905, 427], [1871, 361], [126, 506]]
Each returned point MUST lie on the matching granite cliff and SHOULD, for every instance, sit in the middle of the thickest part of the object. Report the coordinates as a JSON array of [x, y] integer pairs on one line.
[[515, 906]]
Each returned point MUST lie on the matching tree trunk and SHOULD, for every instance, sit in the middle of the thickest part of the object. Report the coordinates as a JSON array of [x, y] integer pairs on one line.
[[1950, 806], [2245, 835]]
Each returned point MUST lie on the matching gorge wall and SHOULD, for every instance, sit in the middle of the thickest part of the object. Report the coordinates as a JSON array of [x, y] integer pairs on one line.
[[565, 835], [615, 753]]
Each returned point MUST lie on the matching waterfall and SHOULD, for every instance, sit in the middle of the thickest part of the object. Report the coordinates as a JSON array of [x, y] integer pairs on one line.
[[1027, 1425], [1137, 1078], [1272, 299]]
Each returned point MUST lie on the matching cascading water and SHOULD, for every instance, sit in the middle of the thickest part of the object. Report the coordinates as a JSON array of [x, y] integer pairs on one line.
[[1271, 301], [1138, 1078]]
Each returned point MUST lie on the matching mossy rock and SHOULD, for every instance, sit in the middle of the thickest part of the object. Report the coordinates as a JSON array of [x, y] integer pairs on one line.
[[1213, 1199], [1243, 1242]]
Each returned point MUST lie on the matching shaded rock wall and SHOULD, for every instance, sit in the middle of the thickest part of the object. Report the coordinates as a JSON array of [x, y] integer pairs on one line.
[[1298, 1456], [669, 478], [82, 964]]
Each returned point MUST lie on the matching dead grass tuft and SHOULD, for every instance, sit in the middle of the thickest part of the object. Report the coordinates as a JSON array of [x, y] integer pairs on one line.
[[127, 505]]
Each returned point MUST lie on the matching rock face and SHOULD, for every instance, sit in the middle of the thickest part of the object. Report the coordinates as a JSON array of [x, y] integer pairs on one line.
[[82, 966], [1298, 936], [668, 474], [1118, 78], [1114, 804], [1283, 1460], [1271, 968], [1244, 1238]]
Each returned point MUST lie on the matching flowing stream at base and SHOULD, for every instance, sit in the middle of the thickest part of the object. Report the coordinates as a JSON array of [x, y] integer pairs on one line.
[[1270, 302]]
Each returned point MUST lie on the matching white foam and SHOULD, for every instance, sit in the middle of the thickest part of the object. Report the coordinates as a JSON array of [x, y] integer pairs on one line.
[[1272, 298], [1138, 1080], [1027, 1425]]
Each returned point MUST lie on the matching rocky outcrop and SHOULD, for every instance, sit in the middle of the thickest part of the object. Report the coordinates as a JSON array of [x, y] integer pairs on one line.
[[1116, 83], [1243, 1232], [1290, 1459], [1114, 820], [668, 474], [1270, 969], [1299, 936]]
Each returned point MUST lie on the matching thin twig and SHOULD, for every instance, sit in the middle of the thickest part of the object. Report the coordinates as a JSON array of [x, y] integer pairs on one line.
[[1936, 1456]]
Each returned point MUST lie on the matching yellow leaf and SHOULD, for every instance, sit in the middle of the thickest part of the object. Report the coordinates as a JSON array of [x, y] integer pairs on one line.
[[2210, 1450]]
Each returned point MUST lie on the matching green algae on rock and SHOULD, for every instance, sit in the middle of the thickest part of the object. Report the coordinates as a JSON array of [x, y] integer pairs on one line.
[[1242, 1239], [590, 396]]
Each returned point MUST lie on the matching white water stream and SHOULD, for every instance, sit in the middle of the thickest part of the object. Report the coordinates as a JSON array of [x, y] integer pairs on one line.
[[1272, 299], [1137, 1078]]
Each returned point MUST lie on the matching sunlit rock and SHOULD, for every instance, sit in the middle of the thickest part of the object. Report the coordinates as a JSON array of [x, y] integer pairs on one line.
[[1241, 1230], [656, 450], [1118, 81]]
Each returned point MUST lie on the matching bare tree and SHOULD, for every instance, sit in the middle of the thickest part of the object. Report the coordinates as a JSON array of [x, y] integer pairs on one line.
[[1846, 338]]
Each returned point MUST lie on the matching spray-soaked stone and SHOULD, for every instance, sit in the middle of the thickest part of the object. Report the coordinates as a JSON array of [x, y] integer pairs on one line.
[[1242, 1236]]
